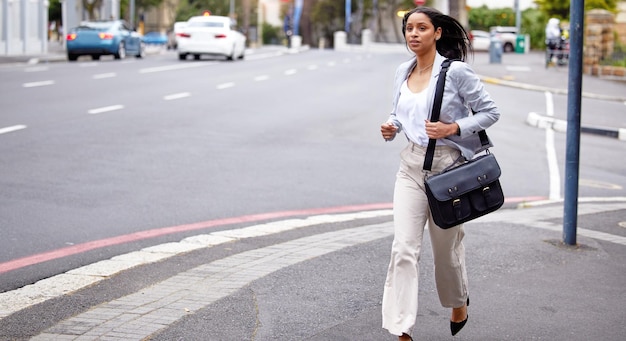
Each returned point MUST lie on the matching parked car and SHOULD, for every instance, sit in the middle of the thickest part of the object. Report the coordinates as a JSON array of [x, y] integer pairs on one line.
[[155, 38], [211, 35], [172, 42], [506, 34], [480, 40], [98, 38]]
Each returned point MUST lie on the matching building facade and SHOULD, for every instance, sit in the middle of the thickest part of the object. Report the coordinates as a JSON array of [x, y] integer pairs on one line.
[[23, 27]]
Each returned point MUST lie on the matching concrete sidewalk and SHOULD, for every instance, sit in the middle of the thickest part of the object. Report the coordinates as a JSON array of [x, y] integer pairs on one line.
[[316, 280]]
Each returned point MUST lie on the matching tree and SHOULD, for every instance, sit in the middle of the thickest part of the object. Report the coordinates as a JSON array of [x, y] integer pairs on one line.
[[329, 17], [91, 6], [560, 8], [482, 18]]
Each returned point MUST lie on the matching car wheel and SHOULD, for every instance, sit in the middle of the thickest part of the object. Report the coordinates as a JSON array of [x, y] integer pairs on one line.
[[508, 47], [121, 51], [72, 57], [196, 57], [142, 50], [231, 56], [182, 56]]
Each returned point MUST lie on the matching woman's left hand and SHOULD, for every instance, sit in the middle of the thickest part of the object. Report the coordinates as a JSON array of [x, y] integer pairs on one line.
[[439, 130]]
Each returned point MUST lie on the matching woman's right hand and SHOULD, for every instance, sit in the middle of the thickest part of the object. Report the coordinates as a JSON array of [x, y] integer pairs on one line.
[[388, 131]]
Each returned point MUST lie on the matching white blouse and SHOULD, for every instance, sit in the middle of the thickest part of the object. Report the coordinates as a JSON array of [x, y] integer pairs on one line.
[[412, 112]]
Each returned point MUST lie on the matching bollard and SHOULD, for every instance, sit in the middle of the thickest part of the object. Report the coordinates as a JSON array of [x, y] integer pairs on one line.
[[495, 51], [340, 41], [296, 42]]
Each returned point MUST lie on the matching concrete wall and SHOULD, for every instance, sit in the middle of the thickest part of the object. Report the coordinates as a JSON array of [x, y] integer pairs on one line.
[[23, 27]]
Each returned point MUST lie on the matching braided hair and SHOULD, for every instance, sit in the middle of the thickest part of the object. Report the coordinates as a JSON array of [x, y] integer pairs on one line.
[[454, 42]]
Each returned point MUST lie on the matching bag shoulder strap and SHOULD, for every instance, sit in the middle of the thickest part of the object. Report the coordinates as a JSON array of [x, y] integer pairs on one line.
[[434, 117]]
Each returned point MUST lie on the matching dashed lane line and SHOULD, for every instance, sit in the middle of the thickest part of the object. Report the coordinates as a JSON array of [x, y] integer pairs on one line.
[[104, 75], [105, 109], [176, 96], [38, 84], [12, 128], [225, 85], [175, 67]]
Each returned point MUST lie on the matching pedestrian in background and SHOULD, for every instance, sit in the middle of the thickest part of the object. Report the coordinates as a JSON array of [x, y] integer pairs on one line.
[[432, 37], [554, 40]]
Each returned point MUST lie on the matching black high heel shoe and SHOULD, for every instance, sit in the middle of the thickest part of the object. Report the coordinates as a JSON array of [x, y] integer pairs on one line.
[[456, 327]]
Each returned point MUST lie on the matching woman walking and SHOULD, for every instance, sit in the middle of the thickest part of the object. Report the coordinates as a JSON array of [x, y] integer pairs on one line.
[[432, 37]]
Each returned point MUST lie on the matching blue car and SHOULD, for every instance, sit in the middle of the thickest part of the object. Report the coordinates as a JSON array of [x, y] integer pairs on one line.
[[98, 38], [155, 38]]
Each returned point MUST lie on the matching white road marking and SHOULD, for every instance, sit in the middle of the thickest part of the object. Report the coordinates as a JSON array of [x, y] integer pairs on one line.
[[290, 72], [36, 69], [518, 68], [599, 184], [104, 75], [261, 78], [175, 67], [312, 67], [225, 86], [36, 84], [553, 165], [105, 109], [92, 64], [177, 96], [12, 128], [331, 64]]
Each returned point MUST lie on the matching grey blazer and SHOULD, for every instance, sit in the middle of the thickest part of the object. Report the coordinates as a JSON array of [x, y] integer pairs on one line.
[[464, 93]]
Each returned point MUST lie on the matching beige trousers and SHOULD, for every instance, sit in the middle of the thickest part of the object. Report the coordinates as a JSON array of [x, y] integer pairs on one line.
[[411, 213]]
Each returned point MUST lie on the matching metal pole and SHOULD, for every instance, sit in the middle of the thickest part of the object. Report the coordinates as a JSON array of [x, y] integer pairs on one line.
[[132, 13], [518, 17], [259, 23], [572, 151], [232, 9], [348, 10]]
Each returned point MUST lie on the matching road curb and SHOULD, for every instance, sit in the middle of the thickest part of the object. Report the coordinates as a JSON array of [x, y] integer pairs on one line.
[[536, 120], [497, 81]]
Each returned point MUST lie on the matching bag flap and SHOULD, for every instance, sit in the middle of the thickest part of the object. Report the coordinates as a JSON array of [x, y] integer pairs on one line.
[[471, 175]]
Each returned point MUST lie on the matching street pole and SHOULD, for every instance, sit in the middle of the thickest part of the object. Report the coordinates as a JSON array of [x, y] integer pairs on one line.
[[518, 17], [259, 23], [348, 13], [572, 145], [132, 13], [231, 13]]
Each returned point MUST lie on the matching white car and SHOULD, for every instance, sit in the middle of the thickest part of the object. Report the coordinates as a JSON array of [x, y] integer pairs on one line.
[[506, 34], [172, 41], [210, 35], [480, 40]]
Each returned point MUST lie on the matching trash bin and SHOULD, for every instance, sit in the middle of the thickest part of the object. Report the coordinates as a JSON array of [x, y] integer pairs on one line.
[[520, 43], [495, 51]]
